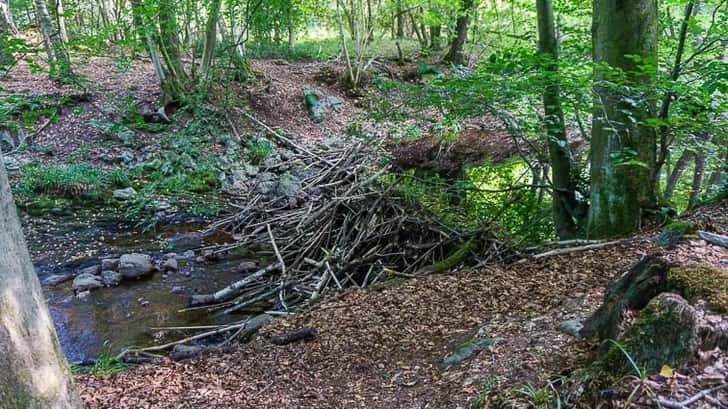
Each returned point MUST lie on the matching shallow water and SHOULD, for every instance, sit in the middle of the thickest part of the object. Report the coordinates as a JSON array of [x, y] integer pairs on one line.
[[110, 319]]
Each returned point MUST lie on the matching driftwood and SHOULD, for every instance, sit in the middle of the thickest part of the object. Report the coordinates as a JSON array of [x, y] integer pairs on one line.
[[306, 333], [712, 238], [569, 250]]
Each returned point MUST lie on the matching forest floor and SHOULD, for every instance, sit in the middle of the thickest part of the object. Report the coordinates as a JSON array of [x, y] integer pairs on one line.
[[380, 348], [374, 348]]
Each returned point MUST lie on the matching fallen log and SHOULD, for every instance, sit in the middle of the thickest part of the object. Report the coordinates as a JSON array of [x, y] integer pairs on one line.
[[712, 238], [306, 333], [233, 289]]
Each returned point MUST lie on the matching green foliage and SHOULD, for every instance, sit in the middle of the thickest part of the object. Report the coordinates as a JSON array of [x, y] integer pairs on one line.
[[75, 180], [259, 149]]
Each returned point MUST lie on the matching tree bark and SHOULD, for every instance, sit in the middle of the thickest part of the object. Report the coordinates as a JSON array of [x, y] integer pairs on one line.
[[680, 165], [58, 59], [564, 191], [662, 155], [33, 371], [210, 38], [6, 19], [456, 55], [697, 180], [622, 146], [62, 31], [7, 30]]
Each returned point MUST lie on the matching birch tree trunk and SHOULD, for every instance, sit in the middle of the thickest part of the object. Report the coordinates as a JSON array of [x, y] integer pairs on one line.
[[564, 196], [622, 147], [33, 370], [62, 31]]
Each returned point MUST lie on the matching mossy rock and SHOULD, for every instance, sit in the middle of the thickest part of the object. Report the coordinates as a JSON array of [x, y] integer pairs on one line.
[[672, 233], [665, 333], [701, 282]]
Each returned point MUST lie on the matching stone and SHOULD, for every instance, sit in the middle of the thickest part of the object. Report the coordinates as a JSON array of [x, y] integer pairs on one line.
[[288, 185], [56, 279], [126, 157], [83, 294], [110, 264], [110, 278], [187, 255], [182, 351], [468, 350], [91, 270], [84, 282], [178, 290], [571, 327], [11, 164], [170, 264], [124, 194], [135, 265], [247, 266], [185, 241], [251, 170], [665, 333]]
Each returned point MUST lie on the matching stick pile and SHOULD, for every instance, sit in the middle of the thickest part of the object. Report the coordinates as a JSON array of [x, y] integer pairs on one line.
[[348, 227]]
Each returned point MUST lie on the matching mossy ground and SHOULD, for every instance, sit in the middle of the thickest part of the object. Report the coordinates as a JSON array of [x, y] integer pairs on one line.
[[701, 282]]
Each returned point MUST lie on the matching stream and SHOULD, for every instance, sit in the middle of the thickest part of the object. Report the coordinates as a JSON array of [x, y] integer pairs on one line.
[[110, 319]]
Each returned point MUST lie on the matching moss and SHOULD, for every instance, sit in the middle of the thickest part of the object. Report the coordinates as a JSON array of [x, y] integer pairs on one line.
[[701, 282], [664, 333]]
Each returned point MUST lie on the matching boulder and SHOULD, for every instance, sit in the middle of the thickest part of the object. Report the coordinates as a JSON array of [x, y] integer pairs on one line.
[[110, 264], [665, 333], [91, 270], [185, 241], [56, 279], [181, 352], [124, 194], [571, 327], [84, 282], [133, 266], [110, 278], [11, 164], [170, 264], [467, 350], [247, 266]]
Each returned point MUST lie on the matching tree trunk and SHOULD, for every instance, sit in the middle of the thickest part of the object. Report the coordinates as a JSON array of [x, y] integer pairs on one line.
[[7, 30], [6, 19], [175, 77], [674, 177], [62, 31], [208, 52], [622, 147], [697, 180], [564, 196], [661, 156], [435, 37], [33, 372], [456, 55], [58, 59]]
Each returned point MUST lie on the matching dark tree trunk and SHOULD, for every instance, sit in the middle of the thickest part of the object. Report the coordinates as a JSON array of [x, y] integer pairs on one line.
[[564, 191], [622, 146], [664, 148], [456, 54], [680, 165], [697, 180]]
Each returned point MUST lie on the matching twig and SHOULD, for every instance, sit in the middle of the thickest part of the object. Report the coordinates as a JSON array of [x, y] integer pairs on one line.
[[689, 401]]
